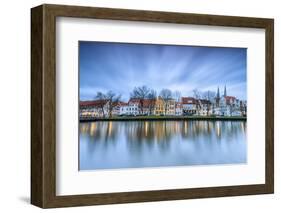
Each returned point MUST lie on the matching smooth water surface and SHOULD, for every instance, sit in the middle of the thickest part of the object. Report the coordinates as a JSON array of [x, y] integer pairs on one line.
[[136, 144]]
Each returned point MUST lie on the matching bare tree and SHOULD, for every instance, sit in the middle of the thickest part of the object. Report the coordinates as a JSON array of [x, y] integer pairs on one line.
[[152, 100], [209, 96], [166, 95], [197, 95], [208, 106], [177, 95], [101, 97], [140, 93], [113, 100]]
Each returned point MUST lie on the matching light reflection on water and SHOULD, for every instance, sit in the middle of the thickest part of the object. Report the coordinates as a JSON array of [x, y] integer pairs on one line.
[[135, 144]]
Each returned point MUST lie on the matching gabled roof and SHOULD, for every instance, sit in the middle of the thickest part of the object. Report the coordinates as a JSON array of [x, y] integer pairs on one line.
[[123, 103], [188, 100], [145, 102], [94, 103], [97, 103], [134, 100], [148, 102], [229, 99]]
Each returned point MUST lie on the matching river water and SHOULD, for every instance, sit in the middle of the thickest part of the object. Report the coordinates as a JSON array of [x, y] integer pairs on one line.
[[137, 144]]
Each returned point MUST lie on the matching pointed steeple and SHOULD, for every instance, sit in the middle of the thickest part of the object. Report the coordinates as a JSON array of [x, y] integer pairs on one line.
[[218, 93], [224, 94], [218, 98]]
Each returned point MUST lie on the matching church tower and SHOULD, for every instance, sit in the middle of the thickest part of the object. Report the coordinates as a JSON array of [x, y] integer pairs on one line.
[[218, 98], [224, 94]]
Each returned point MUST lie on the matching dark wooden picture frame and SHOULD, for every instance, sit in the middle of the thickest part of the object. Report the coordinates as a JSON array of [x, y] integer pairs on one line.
[[43, 105]]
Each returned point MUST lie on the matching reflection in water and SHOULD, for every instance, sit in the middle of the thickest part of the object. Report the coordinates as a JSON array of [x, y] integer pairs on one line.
[[134, 144]]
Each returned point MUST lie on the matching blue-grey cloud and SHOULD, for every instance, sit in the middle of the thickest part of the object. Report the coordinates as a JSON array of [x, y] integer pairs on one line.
[[120, 67]]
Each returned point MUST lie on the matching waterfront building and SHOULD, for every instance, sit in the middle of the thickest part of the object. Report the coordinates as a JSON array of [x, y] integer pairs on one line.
[[133, 106], [149, 106], [228, 105], [204, 107], [224, 105], [124, 108], [178, 108], [170, 107], [159, 106], [117, 107], [96, 108], [243, 108], [189, 105]]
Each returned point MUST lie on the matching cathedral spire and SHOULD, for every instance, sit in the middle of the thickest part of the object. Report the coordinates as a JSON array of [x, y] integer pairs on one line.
[[218, 98], [224, 94], [218, 93]]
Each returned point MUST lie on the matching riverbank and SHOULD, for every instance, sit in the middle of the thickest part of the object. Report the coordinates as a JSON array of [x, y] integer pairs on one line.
[[167, 118]]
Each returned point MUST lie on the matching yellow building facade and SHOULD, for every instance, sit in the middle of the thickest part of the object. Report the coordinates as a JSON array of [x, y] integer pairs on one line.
[[164, 108], [159, 106]]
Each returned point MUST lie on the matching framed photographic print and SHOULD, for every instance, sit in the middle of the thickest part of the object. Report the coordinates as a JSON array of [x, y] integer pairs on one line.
[[136, 106]]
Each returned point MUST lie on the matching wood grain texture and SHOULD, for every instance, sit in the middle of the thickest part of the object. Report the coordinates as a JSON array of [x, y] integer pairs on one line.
[[36, 106], [43, 105], [269, 106]]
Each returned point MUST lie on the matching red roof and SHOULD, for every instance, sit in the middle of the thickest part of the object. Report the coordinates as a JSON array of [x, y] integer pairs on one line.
[[145, 102], [94, 103], [98, 103], [149, 102], [188, 100], [123, 103], [134, 100], [229, 99]]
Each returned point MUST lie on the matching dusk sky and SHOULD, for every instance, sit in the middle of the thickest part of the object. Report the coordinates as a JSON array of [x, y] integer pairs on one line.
[[120, 67]]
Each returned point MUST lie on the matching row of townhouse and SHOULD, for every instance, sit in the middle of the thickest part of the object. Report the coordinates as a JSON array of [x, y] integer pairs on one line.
[[224, 106], [98, 108], [92, 108], [230, 106], [156, 106]]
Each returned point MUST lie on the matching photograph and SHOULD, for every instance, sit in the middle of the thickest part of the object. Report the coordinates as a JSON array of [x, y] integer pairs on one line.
[[140, 105], [161, 105]]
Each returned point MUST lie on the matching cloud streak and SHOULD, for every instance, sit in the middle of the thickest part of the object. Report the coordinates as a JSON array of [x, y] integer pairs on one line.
[[120, 67]]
